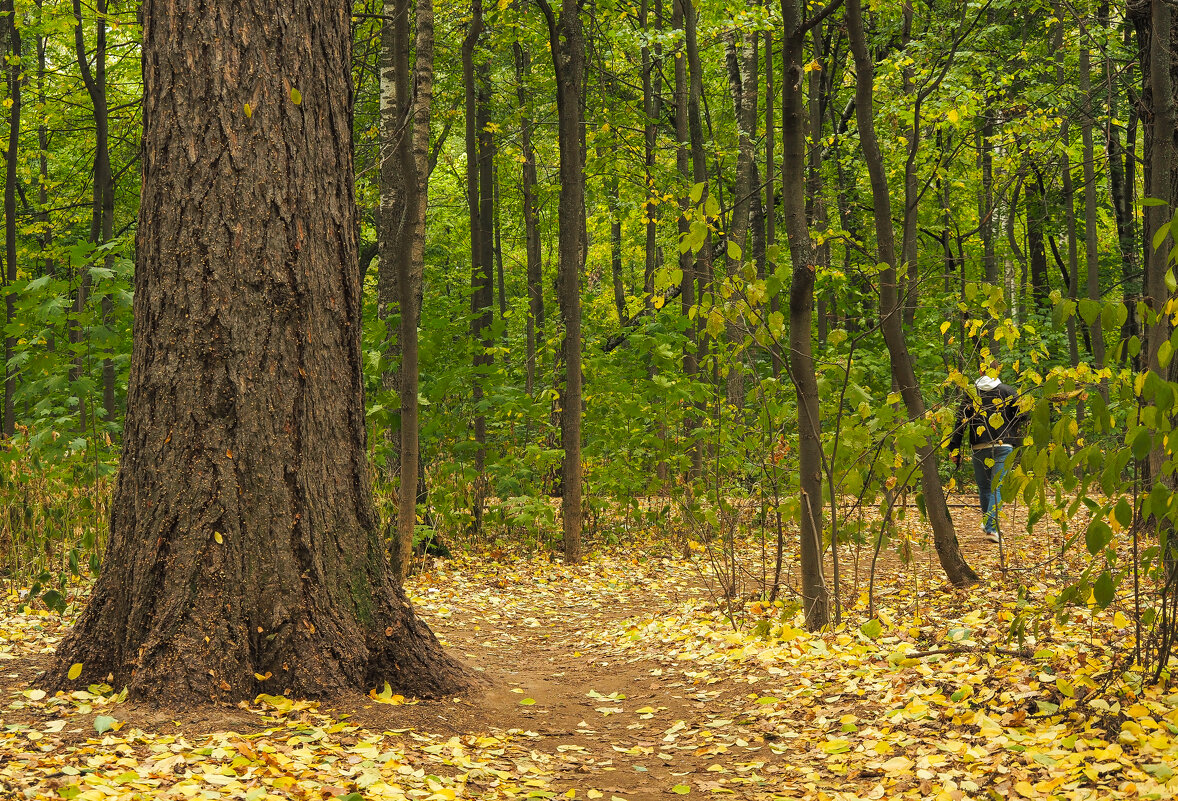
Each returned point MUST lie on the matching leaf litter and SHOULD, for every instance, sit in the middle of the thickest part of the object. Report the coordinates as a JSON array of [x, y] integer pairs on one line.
[[623, 679]]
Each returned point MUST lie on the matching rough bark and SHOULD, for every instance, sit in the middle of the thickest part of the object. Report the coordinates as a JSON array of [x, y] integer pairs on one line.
[[956, 569], [243, 536]]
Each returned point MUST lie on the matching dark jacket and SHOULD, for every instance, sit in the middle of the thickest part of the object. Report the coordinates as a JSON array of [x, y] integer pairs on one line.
[[995, 421]]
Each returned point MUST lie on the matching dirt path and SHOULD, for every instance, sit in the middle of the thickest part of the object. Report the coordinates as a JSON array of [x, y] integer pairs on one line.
[[599, 719]]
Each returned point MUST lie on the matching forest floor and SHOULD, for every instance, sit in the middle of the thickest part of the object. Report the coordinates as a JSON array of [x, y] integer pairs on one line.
[[624, 678]]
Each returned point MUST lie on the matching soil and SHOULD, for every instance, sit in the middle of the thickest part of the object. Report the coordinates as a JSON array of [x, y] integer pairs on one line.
[[546, 673]]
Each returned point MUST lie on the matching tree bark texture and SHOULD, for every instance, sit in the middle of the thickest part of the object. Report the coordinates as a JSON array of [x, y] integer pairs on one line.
[[956, 569], [243, 536]]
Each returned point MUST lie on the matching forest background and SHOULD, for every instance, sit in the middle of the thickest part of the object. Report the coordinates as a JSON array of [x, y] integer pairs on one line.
[[773, 242]]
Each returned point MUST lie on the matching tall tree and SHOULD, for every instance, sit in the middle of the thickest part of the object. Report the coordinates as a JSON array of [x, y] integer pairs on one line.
[[815, 599], [481, 266], [567, 42], [535, 325], [1092, 257], [687, 282], [8, 412], [103, 203], [944, 537], [392, 230], [245, 555]]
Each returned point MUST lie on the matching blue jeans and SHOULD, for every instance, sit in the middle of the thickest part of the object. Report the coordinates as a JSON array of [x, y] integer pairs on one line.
[[988, 466]]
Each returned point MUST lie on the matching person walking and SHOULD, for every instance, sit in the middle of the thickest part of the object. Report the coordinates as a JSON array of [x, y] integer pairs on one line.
[[993, 421]]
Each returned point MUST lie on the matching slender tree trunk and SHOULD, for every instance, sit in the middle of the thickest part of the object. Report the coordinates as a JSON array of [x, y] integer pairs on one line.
[[102, 215], [944, 537], [911, 186], [480, 287], [43, 182], [405, 169], [815, 599], [989, 254], [245, 555], [486, 141], [11, 164], [392, 222], [1155, 33], [1069, 192], [1122, 173], [1090, 222], [771, 178], [499, 277], [103, 195], [699, 174], [613, 188], [535, 327], [568, 59], [686, 260], [651, 113], [1036, 247], [820, 86]]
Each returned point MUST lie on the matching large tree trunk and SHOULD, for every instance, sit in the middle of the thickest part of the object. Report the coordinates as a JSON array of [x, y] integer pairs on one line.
[[815, 599], [568, 60], [944, 537], [243, 536]]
